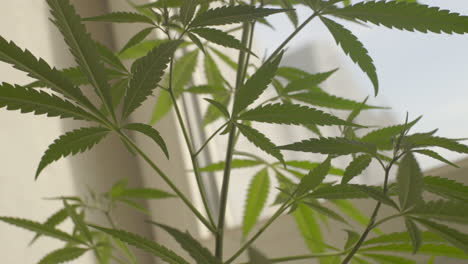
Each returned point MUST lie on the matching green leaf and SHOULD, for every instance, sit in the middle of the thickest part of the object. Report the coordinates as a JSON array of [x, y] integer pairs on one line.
[[54, 220], [144, 244], [453, 236], [187, 10], [255, 85], [235, 164], [110, 58], [141, 49], [63, 255], [182, 74], [383, 137], [451, 211], [295, 114], [353, 237], [39, 102], [226, 59], [222, 108], [430, 141], [198, 252], [325, 211], [196, 41], [41, 71], [320, 98], [403, 237], [354, 49], [338, 191], [426, 249], [291, 73], [72, 142], [256, 257], [434, 155], [414, 234], [386, 259], [307, 82], [142, 193], [353, 213], [446, 188], [409, 182], [376, 194], [309, 228], [256, 199], [82, 47], [314, 178], [137, 38], [307, 165], [151, 133], [406, 16], [146, 74], [260, 140], [120, 17], [292, 15], [220, 37], [78, 222], [356, 167], [231, 14], [41, 229], [335, 146]]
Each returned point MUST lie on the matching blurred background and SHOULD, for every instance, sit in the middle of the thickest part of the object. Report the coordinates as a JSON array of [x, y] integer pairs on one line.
[[420, 74]]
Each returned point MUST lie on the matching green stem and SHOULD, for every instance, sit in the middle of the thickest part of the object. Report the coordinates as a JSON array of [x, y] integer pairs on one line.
[[383, 220], [209, 139], [189, 145], [247, 244], [301, 257], [229, 152], [168, 182], [372, 223]]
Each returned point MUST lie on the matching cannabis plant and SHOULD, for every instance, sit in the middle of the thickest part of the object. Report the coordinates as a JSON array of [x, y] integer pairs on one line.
[[181, 32]]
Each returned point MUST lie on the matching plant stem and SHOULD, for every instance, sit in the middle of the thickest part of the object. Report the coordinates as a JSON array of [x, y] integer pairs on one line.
[[301, 257], [230, 149], [189, 145], [209, 139], [247, 244], [168, 182], [373, 217]]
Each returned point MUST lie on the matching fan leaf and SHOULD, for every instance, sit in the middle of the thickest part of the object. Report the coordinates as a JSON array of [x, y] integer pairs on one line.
[[409, 182], [72, 142], [151, 133], [256, 199], [335, 146], [354, 49], [261, 141], [220, 37], [285, 113], [231, 14], [120, 17], [356, 167], [63, 255]]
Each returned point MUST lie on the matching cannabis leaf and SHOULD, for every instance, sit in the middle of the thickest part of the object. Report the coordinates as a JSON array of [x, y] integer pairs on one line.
[[446, 188], [231, 14], [285, 113], [146, 74], [82, 47], [336, 146], [63, 255], [198, 252], [409, 182], [453, 236], [144, 244], [150, 132], [406, 16], [314, 177], [260, 140], [137, 38], [256, 199], [450, 211], [354, 48], [307, 82], [255, 85], [30, 100], [40, 70], [219, 37], [414, 233], [120, 17], [41, 229], [355, 167], [72, 142]]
